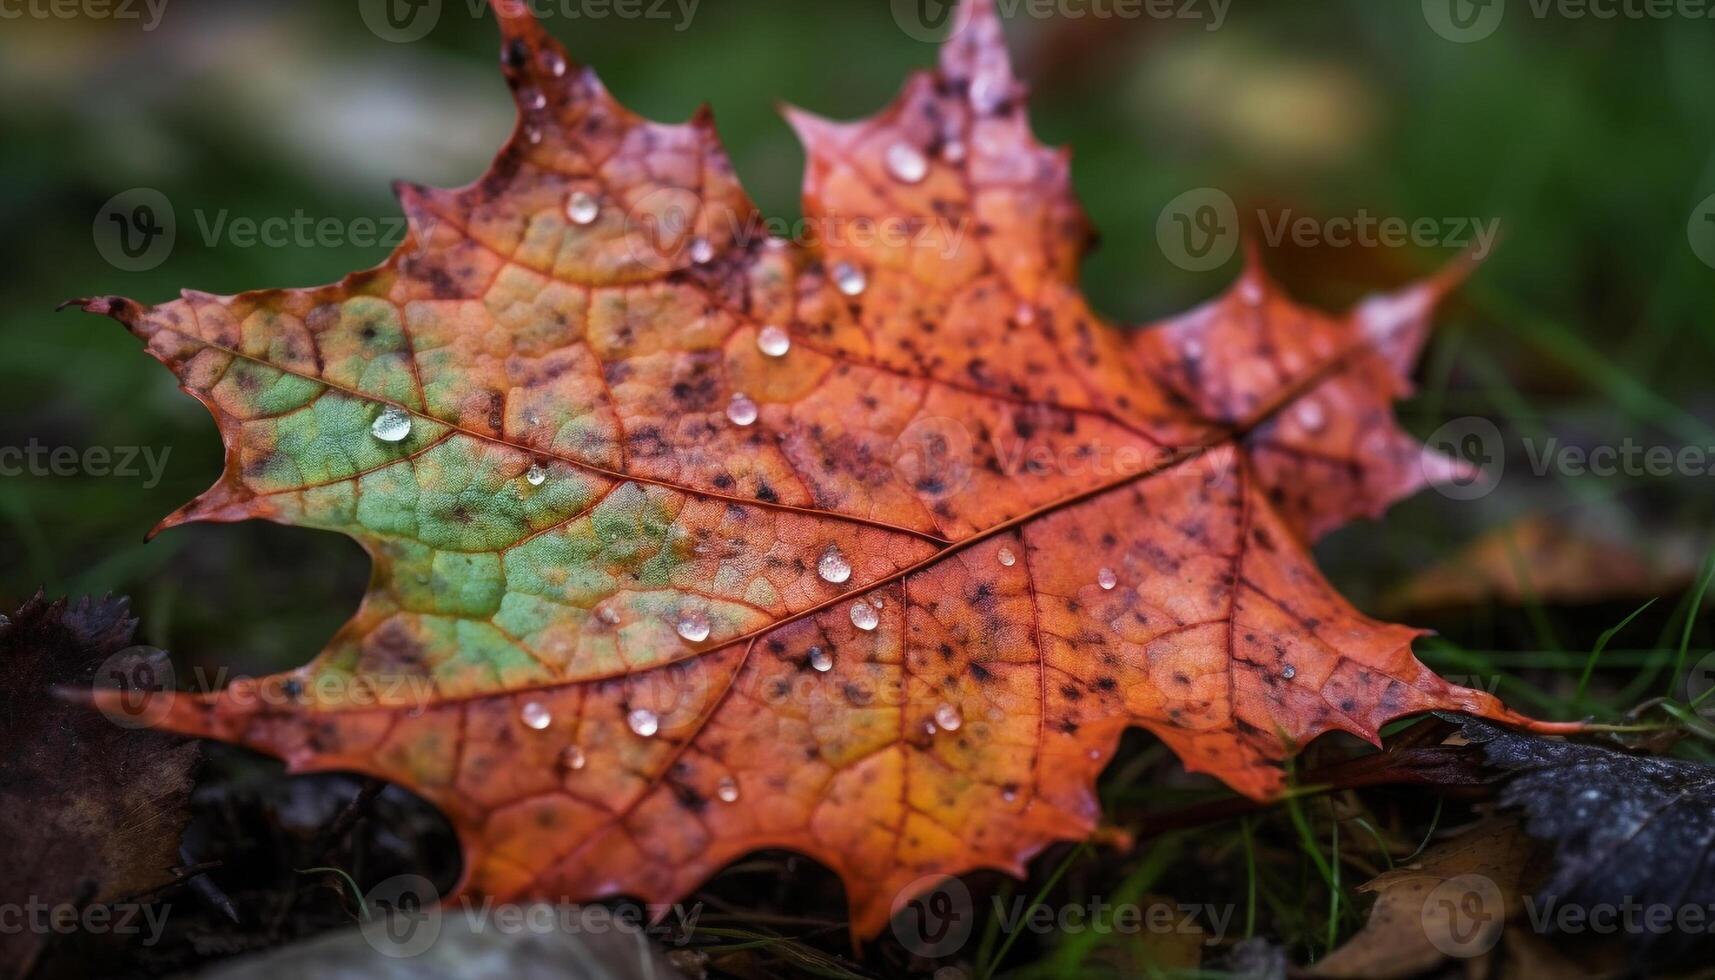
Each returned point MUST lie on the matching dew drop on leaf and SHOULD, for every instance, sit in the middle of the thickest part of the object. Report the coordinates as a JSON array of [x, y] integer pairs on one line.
[[741, 410], [821, 659], [535, 475], [532, 99], [643, 722], [728, 790], [554, 63], [1107, 579], [850, 279], [1311, 415], [392, 425], [1006, 557], [833, 566], [608, 615], [864, 616], [694, 625], [536, 716], [1289, 672], [572, 758], [949, 717], [773, 341], [907, 163], [583, 208], [702, 252]]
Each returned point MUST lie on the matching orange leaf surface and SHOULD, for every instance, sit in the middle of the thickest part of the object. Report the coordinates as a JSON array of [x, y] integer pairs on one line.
[[688, 542]]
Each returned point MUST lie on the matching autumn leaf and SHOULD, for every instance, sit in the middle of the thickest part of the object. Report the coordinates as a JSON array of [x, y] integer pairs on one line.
[[93, 811], [689, 542]]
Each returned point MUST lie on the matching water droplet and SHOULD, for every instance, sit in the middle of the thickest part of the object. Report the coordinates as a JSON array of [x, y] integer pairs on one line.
[[1289, 672], [1006, 557], [850, 279], [1107, 579], [833, 566], [1009, 794], [821, 659], [954, 151], [554, 63], [536, 716], [929, 727], [532, 98], [608, 615], [702, 252], [949, 717], [728, 790], [535, 475], [1311, 415], [773, 341], [741, 410], [533, 135], [907, 163], [643, 722], [1025, 314], [987, 93], [864, 616], [573, 758], [694, 625], [583, 208], [392, 425]]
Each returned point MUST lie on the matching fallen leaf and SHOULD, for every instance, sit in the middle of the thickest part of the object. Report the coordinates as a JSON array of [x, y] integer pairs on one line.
[[689, 542], [1453, 902], [92, 810], [1551, 559], [1628, 831]]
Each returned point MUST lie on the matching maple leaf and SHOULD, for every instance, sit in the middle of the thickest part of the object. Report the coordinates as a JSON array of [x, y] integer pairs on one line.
[[689, 543]]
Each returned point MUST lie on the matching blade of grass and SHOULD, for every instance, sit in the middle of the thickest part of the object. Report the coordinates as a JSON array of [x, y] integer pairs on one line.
[[1691, 621], [986, 970], [1602, 644]]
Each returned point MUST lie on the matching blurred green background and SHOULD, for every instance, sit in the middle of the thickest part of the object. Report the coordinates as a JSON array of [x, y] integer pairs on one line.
[[1592, 142]]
